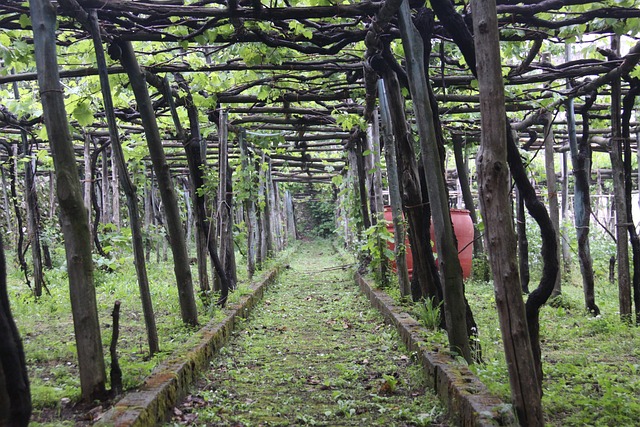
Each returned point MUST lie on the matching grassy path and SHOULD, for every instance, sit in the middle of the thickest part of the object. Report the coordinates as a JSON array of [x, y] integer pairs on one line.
[[314, 353]]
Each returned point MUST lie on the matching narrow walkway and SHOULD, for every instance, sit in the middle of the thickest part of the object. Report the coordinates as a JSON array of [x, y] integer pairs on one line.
[[314, 353]]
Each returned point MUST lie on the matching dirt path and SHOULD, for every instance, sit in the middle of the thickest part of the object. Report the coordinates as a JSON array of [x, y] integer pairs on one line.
[[314, 353]]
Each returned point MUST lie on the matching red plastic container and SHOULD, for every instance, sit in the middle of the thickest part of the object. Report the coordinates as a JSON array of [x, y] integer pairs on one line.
[[463, 229]]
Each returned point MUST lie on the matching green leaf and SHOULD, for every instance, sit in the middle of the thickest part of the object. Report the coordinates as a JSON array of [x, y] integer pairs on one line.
[[5, 40], [83, 114], [25, 21]]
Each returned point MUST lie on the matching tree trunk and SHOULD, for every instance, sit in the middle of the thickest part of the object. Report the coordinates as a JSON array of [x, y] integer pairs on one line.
[[15, 397], [619, 194], [469, 204], [495, 201], [566, 249], [182, 269], [73, 215], [412, 201], [628, 107], [33, 212], [248, 203], [129, 190], [450, 270], [5, 199], [362, 179], [395, 194], [552, 191], [225, 226], [523, 243], [581, 159], [196, 159]]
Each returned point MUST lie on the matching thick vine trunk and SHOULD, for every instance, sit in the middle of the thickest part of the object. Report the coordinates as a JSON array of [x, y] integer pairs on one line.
[[581, 159], [196, 158], [494, 185], [73, 215], [15, 397], [412, 201], [450, 270], [182, 270]]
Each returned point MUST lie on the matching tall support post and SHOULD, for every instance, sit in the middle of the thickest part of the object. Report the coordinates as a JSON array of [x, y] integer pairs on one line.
[[73, 215], [374, 129], [104, 187], [493, 174], [465, 187], [291, 219], [225, 200], [374, 172], [566, 248], [450, 270], [617, 171], [129, 189], [33, 212], [181, 266], [115, 193], [395, 194], [552, 189], [248, 202]]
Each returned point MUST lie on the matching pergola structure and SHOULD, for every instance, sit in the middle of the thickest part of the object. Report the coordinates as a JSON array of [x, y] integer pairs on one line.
[[298, 67], [297, 83]]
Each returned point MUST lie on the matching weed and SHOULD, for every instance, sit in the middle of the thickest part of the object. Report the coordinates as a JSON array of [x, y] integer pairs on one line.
[[429, 313]]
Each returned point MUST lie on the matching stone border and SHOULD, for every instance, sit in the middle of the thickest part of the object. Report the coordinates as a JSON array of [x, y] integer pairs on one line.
[[468, 401], [170, 380]]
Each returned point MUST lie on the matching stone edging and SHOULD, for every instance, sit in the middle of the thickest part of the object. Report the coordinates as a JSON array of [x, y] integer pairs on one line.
[[170, 380], [467, 400]]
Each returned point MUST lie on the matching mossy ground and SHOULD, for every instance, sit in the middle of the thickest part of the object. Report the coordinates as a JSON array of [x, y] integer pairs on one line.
[[314, 353]]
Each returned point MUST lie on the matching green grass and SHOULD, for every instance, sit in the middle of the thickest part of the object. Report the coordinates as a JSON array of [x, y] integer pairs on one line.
[[46, 328], [314, 353], [591, 365]]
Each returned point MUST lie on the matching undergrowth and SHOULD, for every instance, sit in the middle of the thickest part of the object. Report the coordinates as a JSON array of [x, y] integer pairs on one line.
[[46, 328], [591, 364], [314, 353]]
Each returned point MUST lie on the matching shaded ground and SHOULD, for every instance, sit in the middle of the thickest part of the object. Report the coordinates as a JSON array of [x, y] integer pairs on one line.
[[314, 353]]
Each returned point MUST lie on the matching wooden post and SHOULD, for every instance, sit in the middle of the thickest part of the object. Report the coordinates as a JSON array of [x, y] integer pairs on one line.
[[181, 266], [621, 220], [494, 185], [566, 249], [395, 194], [249, 204], [225, 230], [552, 189], [73, 215], [129, 189], [450, 270]]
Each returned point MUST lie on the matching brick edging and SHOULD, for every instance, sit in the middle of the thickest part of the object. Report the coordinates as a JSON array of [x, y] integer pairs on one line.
[[468, 401], [170, 380]]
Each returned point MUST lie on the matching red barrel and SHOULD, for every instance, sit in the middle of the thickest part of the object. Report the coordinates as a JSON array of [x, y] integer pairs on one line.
[[463, 229]]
